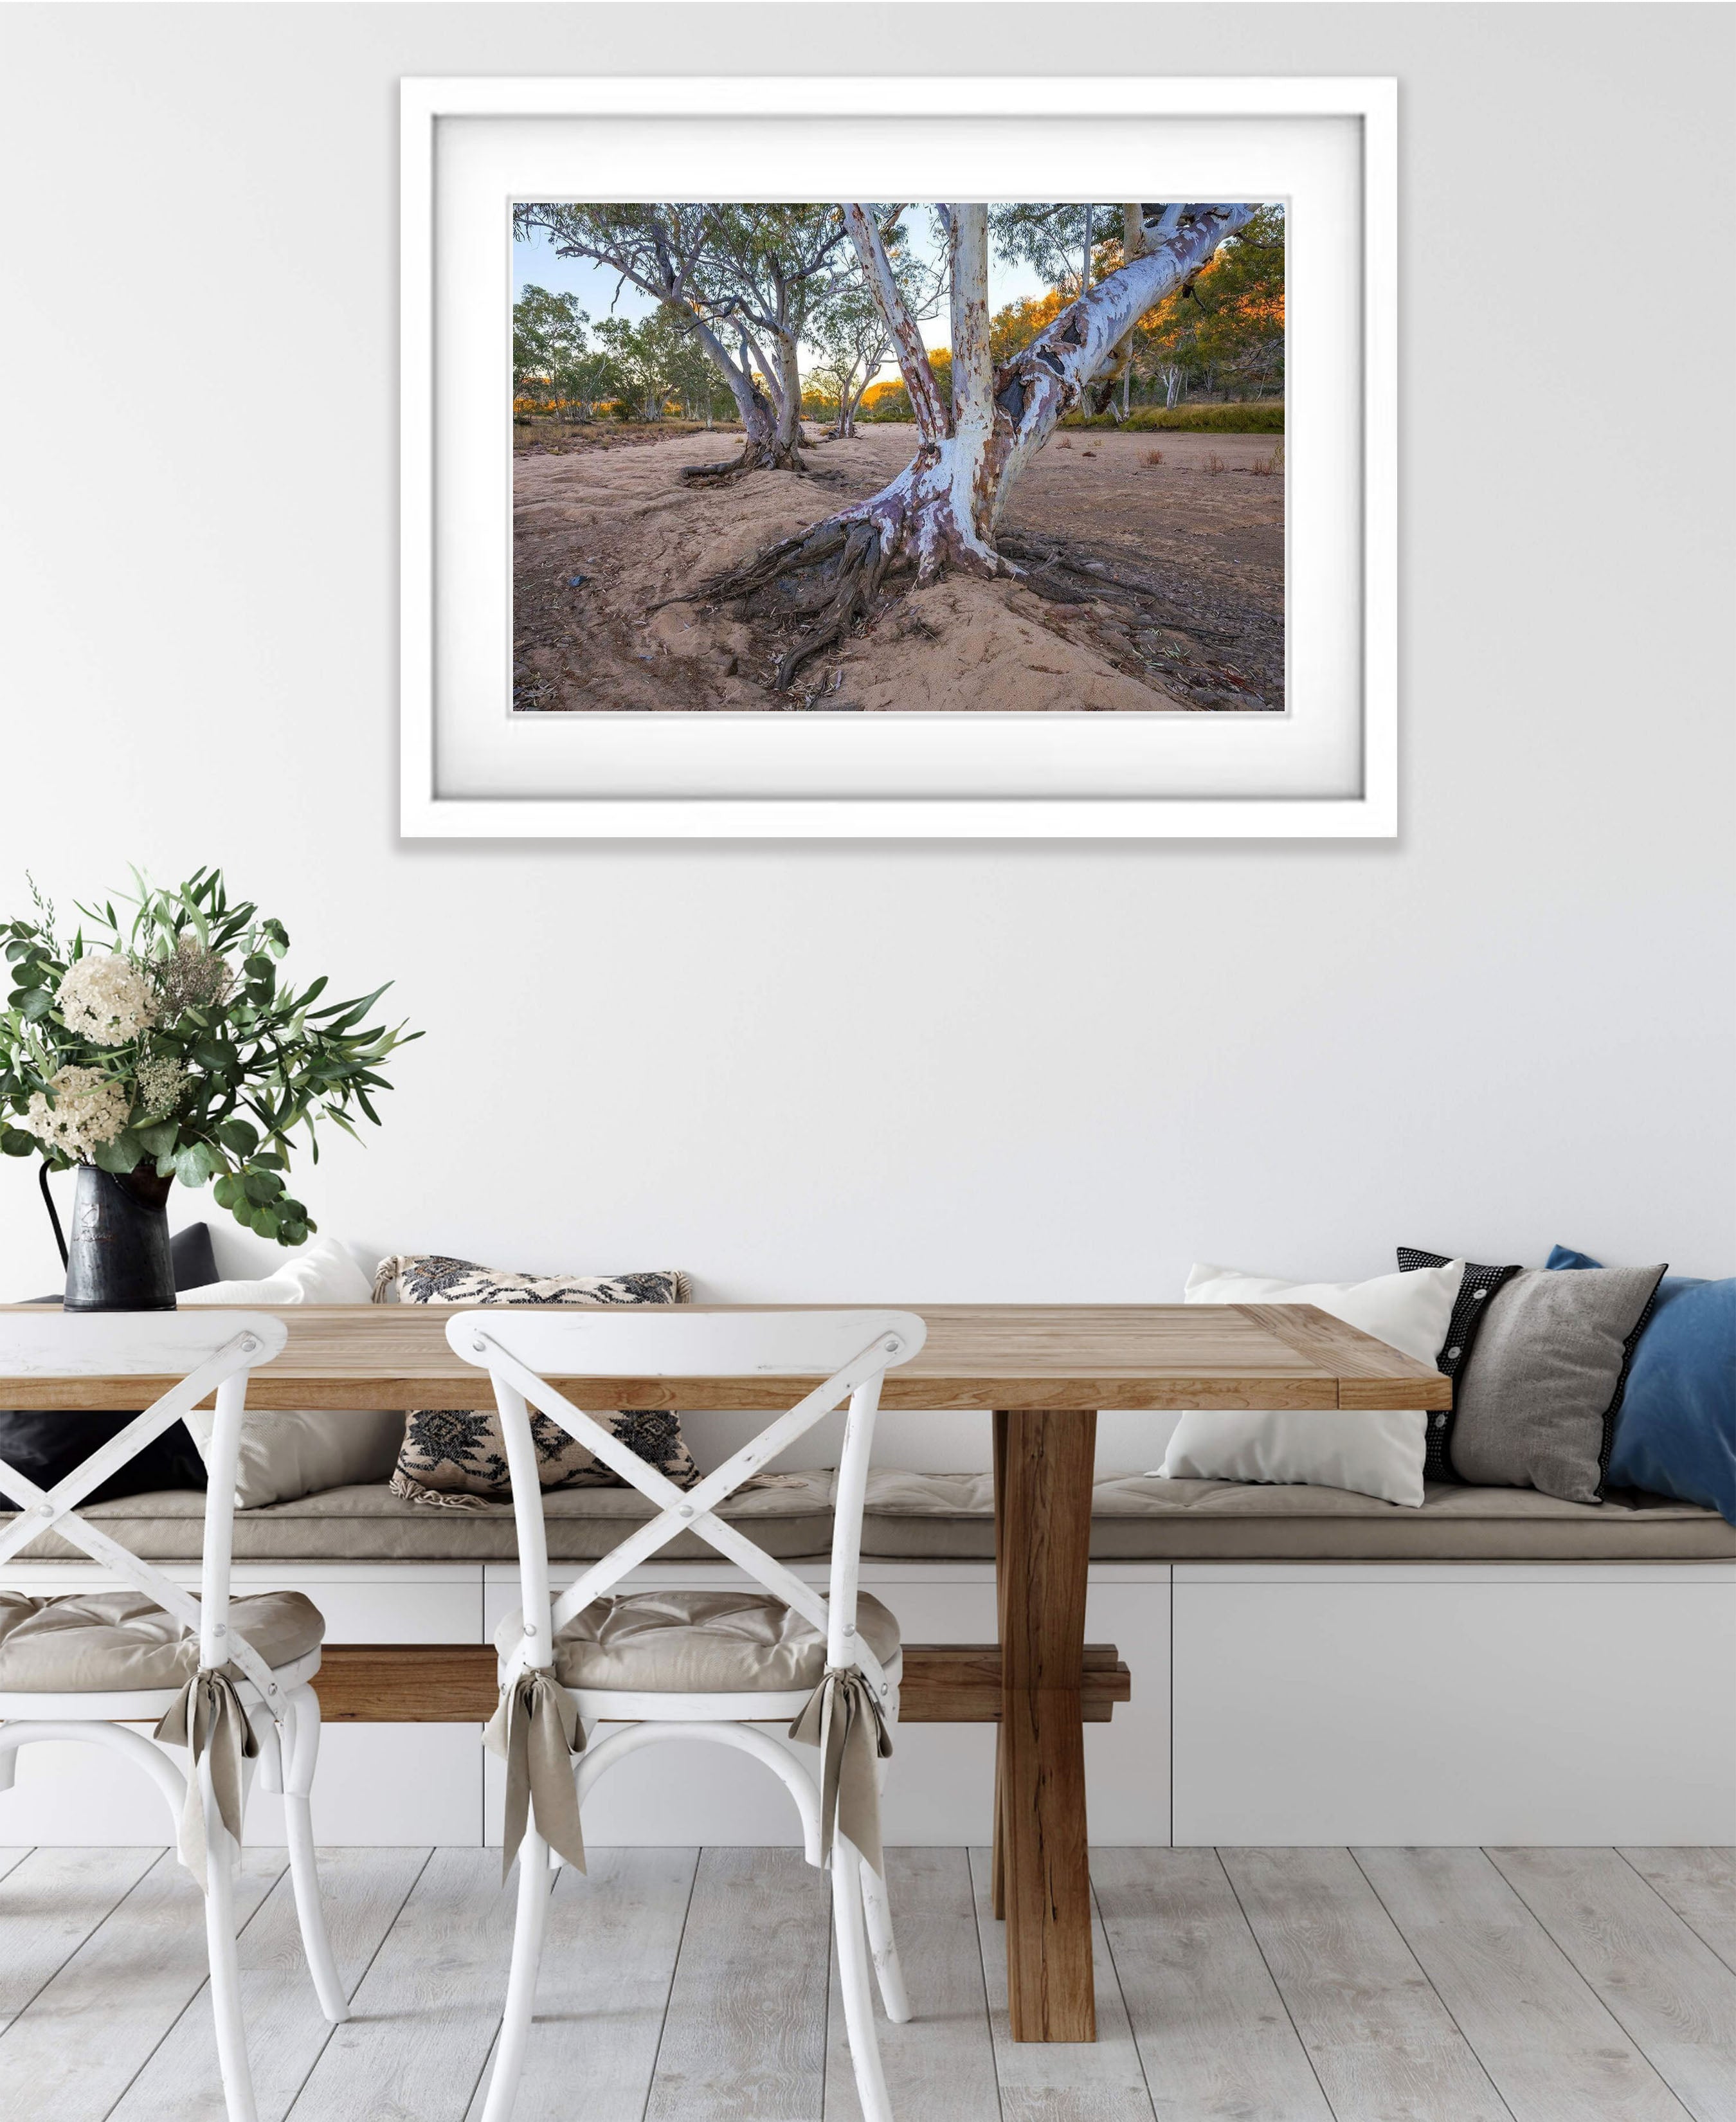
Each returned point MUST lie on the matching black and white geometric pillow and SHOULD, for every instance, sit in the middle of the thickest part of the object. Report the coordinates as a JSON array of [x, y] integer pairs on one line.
[[456, 1458], [436, 1279], [1479, 1285]]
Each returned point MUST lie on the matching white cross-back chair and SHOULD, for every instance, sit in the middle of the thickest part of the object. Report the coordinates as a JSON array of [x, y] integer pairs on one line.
[[830, 1663], [84, 1667]]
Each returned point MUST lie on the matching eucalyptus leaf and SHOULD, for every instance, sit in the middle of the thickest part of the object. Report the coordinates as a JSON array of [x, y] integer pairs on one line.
[[194, 1164], [120, 1155]]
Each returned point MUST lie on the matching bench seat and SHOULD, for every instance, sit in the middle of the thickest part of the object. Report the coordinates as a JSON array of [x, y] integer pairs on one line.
[[942, 1518]]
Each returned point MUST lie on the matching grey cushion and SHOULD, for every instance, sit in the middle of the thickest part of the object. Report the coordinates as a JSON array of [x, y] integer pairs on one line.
[[1144, 1518], [933, 1517], [370, 1524], [699, 1642], [1536, 1405], [118, 1642]]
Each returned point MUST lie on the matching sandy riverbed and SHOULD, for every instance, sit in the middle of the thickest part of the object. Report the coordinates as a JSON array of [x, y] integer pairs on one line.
[[1203, 546]]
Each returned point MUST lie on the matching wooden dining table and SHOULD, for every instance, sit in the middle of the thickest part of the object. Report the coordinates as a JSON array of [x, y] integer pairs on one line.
[[1042, 1371]]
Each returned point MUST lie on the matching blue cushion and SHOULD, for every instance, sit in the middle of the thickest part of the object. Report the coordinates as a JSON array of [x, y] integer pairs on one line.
[[1676, 1434]]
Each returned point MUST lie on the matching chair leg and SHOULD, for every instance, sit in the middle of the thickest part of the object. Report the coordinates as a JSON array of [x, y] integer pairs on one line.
[[883, 1945], [535, 1882], [852, 1970], [226, 1972], [298, 1821]]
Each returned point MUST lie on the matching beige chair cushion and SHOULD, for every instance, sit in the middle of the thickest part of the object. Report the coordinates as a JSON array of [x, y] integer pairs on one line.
[[699, 1642], [117, 1643]]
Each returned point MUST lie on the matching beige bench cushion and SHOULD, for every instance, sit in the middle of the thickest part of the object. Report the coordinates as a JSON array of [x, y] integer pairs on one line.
[[698, 1643], [115, 1643], [1140, 1518], [370, 1524], [935, 1517]]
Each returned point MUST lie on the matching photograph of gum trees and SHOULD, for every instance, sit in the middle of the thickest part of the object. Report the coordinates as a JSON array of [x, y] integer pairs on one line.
[[932, 458]]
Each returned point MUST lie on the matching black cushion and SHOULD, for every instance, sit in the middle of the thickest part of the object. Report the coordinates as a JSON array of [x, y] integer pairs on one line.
[[45, 1444], [1479, 1285]]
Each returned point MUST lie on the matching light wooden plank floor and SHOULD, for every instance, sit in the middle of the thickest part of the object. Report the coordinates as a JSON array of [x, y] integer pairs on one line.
[[686, 1985]]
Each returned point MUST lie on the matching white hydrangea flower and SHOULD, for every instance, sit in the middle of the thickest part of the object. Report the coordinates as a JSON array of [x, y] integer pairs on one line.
[[88, 1109], [106, 999]]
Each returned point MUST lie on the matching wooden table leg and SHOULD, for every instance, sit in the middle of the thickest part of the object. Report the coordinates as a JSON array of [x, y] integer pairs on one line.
[[997, 1856], [1043, 1462]]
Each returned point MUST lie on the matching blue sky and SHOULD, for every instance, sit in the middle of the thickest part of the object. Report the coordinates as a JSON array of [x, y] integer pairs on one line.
[[535, 264]]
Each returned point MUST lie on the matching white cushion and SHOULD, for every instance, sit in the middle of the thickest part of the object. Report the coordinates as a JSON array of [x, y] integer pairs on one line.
[[1374, 1453], [296, 1453]]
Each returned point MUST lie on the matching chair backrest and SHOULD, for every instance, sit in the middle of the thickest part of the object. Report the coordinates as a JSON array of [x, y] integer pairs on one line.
[[204, 1353], [849, 1352]]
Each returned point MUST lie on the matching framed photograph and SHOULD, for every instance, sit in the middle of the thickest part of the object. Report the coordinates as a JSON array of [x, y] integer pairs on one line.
[[774, 465]]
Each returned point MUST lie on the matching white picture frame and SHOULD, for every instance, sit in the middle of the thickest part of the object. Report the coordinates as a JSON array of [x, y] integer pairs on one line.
[[1325, 769]]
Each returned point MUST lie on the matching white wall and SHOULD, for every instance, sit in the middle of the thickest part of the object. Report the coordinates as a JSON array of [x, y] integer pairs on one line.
[[907, 1073]]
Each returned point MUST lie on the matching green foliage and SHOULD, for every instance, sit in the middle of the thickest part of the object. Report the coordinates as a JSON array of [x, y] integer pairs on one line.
[[548, 332], [233, 1056], [1051, 236], [656, 360], [1227, 333], [552, 356], [1264, 416]]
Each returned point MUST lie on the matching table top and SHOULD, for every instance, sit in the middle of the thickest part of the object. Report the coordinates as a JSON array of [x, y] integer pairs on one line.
[[985, 1356]]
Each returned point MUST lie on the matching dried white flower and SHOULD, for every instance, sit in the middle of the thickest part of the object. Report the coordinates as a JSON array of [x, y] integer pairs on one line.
[[191, 977], [161, 1080], [106, 999], [88, 1109]]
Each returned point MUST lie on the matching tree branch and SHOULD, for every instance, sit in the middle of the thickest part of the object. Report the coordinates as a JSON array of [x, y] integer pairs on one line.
[[933, 424], [973, 365]]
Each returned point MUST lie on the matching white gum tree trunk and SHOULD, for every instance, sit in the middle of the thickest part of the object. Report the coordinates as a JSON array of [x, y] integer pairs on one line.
[[942, 509]]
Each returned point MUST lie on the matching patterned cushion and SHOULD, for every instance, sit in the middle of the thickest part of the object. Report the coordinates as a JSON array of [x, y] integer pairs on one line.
[[453, 1458]]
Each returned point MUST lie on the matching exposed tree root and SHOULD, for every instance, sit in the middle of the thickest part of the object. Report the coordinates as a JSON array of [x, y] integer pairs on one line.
[[830, 574], [1063, 575], [861, 567], [755, 456], [1151, 628]]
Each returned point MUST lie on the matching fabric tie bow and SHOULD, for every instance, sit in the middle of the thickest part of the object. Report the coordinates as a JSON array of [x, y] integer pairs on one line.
[[535, 1730], [844, 1719], [207, 1717]]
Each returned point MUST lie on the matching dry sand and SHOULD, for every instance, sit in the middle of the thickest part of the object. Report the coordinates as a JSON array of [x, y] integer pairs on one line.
[[1203, 550]]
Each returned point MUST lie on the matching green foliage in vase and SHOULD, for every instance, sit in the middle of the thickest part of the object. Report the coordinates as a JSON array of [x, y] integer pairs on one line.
[[166, 1038]]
